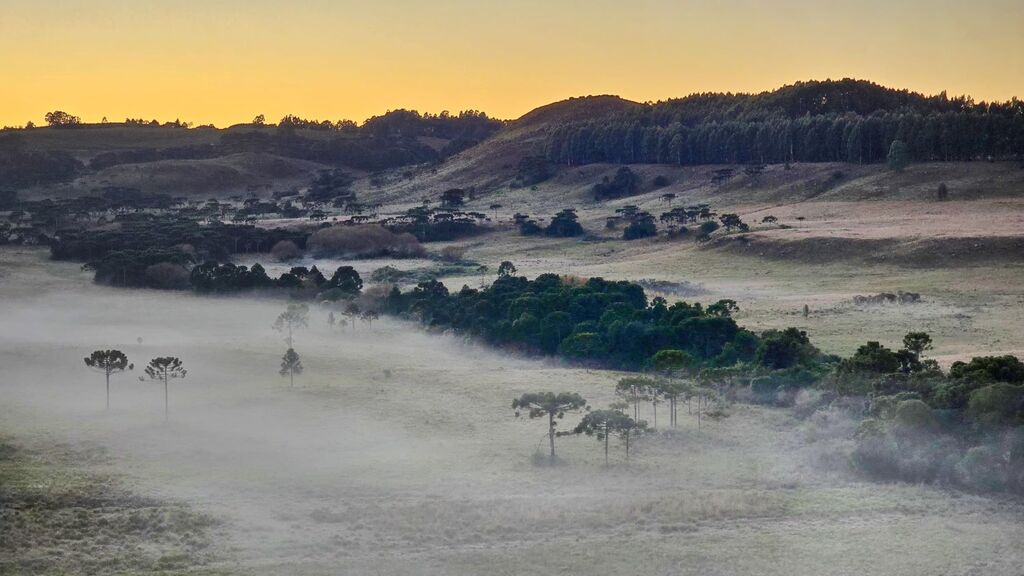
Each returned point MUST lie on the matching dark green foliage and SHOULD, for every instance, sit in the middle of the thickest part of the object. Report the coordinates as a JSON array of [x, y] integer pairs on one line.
[[436, 225], [871, 358], [346, 280], [733, 221], [706, 229], [671, 361], [291, 365], [624, 183], [128, 268], [641, 225], [108, 362], [138, 233], [781, 349], [989, 369], [164, 369], [899, 156], [599, 322], [564, 225], [20, 168], [530, 228], [550, 404], [997, 404], [603, 424], [532, 170], [331, 185], [830, 121]]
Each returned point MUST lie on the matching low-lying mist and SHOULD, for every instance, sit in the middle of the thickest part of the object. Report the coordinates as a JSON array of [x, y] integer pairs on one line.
[[397, 452]]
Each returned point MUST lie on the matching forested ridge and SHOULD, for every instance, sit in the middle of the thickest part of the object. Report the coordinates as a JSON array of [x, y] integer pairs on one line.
[[819, 121]]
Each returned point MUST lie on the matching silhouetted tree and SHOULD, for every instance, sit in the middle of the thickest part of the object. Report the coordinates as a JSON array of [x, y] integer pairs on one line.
[[108, 362], [164, 369], [549, 404], [294, 317], [506, 268], [59, 118], [291, 365]]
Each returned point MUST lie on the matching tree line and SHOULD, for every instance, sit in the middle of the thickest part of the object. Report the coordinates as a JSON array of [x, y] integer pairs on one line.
[[842, 121]]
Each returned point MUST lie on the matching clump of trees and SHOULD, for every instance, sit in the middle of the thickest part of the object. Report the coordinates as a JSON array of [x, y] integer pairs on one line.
[[364, 241], [531, 170], [598, 322], [437, 224], [624, 183], [21, 168], [603, 424], [565, 224]]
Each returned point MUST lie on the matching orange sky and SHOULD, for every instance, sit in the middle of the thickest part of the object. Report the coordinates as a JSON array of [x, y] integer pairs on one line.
[[224, 61]]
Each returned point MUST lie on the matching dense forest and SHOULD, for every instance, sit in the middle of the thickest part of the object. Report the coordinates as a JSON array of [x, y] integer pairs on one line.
[[397, 138], [831, 121]]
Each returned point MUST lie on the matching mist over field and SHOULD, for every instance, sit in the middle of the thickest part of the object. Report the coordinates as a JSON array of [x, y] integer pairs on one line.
[[397, 452], [461, 289]]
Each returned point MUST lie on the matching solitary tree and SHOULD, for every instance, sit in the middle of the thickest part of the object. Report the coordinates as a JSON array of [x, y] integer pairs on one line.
[[604, 423], [899, 155], [553, 405], [291, 365], [917, 342], [296, 316], [108, 362], [506, 268], [164, 369]]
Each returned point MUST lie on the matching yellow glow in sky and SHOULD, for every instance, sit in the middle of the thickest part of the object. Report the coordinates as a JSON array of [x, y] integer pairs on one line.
[[224, 61]]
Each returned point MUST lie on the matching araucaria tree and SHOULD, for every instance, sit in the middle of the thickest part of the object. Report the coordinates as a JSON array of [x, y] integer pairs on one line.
[[550, 404], [164, 369], [291, 365], [108, 362], [604, 423], [296, 316]]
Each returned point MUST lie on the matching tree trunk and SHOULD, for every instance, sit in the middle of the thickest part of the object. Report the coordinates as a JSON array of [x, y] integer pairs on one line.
[[606, 431], [291, 378], [551, 434], [108, 390], [166, 410]]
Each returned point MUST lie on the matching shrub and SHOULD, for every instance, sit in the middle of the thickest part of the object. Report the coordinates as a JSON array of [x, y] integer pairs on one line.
[[640, 227], [453, 253], [369, 241], [285, 250], [914, 414]]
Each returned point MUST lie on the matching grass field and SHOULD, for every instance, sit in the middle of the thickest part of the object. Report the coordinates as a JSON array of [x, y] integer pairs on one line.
[[397, 451]]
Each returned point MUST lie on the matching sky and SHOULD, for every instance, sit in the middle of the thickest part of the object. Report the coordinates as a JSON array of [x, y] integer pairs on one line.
[[225, 61]]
